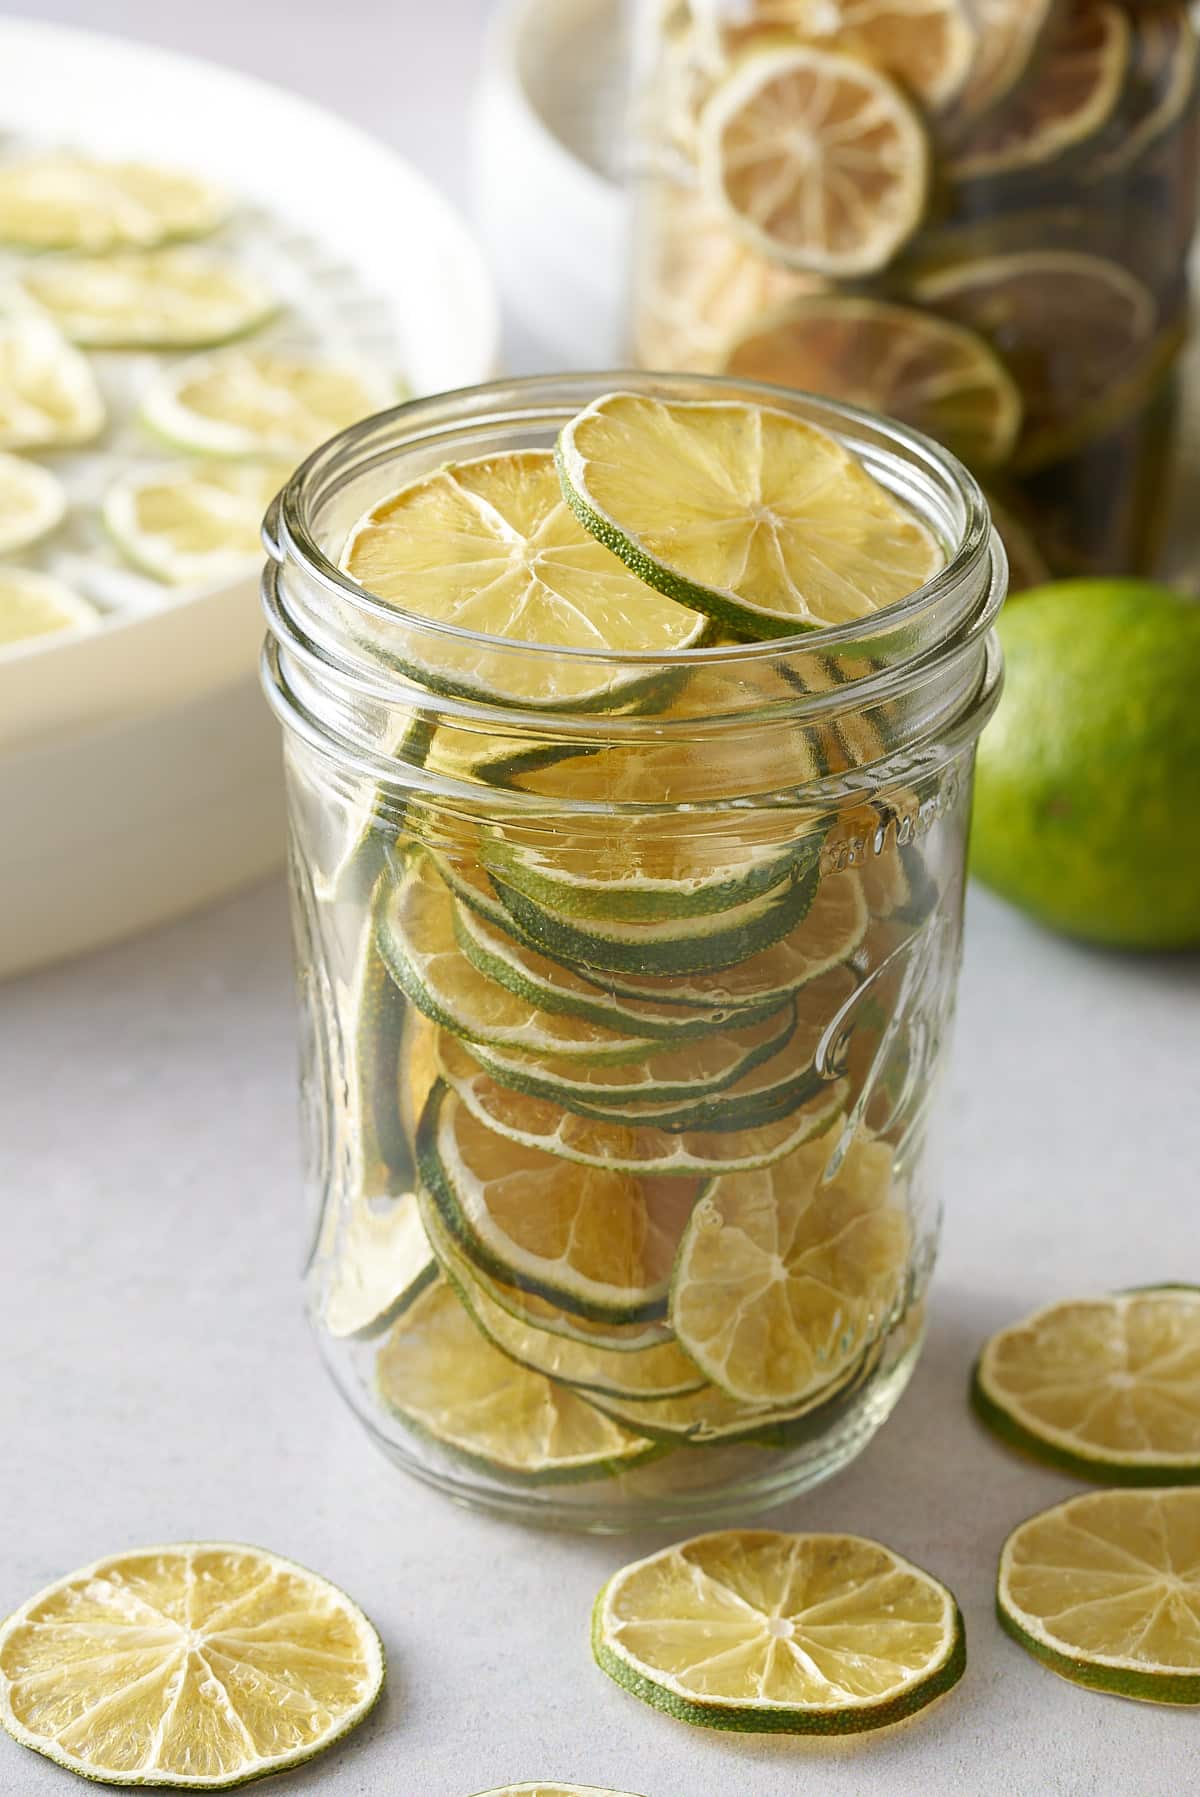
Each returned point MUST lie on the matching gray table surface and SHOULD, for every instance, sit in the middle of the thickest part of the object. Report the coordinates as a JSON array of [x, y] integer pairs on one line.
[[159, 1382]]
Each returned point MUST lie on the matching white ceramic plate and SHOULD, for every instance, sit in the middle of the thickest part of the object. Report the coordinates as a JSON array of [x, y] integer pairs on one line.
[[178, 674]]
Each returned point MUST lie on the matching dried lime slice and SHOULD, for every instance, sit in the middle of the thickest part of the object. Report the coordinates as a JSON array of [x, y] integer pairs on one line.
[[631, 1147], [1105, 1590], [1009, 36], [150, 299], [262, 402], [596, 1242], [751, 515], [32, 503], [928, 45], [48, 395], [785, 1277], [203, 1665], [382, 1262], [193, 522], [764, 1632], [659, 1370], [939, 377], [1070, 96], [439, 1376], [35, 606], [1108, 1388], [819, 159], [65, 202], [489, 547]]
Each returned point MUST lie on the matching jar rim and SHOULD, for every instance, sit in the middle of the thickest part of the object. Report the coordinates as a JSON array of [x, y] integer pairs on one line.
[[290, 534]]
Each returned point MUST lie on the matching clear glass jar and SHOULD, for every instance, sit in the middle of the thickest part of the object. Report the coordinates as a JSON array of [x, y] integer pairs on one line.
[[537, 1128], [974, 217]]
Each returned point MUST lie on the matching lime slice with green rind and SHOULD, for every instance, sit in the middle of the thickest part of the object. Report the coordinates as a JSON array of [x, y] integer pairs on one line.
[[34, 606], [1108, 1388], [414, 930], [597, 1242], [630, 1147], [381, 1263], [785, 1278], [440, 1377], [33, 502], [489, 547], [48, 394], [752, 516], [59, 201], [662, 1370], [1104, 1589], [270, 403], [166, 299], [818, 1634], [193, 523], [200, 1664]]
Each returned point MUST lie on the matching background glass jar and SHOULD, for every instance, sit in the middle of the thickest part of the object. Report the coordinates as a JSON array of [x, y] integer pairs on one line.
[[974, 217], [623, 1020]]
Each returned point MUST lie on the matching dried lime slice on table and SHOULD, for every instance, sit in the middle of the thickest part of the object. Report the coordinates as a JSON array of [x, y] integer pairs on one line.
[[938, 377], [32, 503], [262, 402], [750, 515], [48, 394], [150, 299], [770, 1633], [442, 1378], [785, 1277], [597, 1242], [819, 160], [1105, 1590], [65, 202], [195, 521], [1108, 1388], [490, 547], [33, 606], [201, 1664]]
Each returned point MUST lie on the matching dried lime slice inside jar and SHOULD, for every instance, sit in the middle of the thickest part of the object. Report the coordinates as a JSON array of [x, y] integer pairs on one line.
[[490, 547], [597, 1242], [752, 516], [818, 1634], [819, 160], [939, 377], [441, 1377], [928, 45]]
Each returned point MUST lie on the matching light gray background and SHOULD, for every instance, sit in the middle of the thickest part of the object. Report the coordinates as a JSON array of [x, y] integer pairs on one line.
[[158, 1381]]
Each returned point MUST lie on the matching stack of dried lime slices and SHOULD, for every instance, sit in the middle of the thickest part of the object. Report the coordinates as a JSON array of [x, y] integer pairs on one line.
[[102, 272], [655, 1212], [972, 215]]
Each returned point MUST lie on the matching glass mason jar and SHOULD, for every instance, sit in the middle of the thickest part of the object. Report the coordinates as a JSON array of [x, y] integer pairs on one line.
[[971, 215], [625, 1206]]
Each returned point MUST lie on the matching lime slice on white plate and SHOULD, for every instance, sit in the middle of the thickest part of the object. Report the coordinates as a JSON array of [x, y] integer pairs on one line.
[[489, 546], [35, 606], [201, 1664], [1108, 1388], [193, 522], [65, 202], [440, 1377], [770, 1633], [262, 402], [597, 1242], [752, 516], [32, 503], [153, 299], [1105, 1590], [48, 395], [783, 1280]]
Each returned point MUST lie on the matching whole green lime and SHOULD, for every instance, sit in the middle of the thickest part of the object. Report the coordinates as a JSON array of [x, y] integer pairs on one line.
[[1087, 804]]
